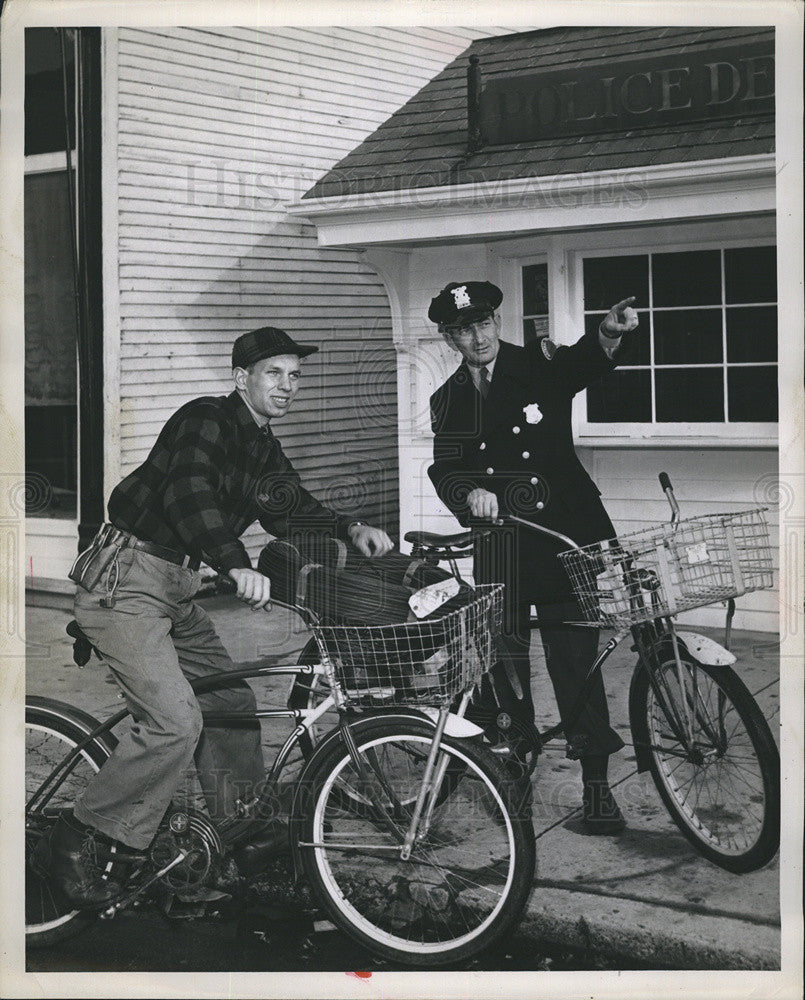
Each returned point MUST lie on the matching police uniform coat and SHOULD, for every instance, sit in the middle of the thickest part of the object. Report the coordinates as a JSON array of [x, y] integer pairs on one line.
[[518, 444]]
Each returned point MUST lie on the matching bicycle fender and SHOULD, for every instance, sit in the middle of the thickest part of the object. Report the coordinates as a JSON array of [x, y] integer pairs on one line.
[[706, 650], [83, 721], [456, 726]]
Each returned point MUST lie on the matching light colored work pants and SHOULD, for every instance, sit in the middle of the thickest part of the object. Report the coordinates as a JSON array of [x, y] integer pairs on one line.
[[155, 639]]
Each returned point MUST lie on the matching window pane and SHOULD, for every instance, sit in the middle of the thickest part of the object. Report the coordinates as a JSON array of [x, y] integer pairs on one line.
[[686, 395], [636, 349], [688, 337], [750, 274], [535, 289], [622, 397], [51, 458], [687, 279], [535, 328], [752, 333], [607, 280], [44, 90], [50, 343], [752, 393]]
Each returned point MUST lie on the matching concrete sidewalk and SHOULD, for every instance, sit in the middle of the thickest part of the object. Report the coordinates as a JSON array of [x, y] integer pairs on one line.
[[644, 897]]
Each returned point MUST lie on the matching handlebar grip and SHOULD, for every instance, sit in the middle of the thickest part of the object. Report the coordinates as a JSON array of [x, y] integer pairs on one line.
[[665, 481], [225, 584]]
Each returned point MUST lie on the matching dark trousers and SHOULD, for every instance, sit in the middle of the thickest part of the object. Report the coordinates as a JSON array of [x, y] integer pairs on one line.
[[569, 652]]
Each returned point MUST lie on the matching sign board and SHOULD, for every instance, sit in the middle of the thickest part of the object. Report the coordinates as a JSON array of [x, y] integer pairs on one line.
[[727, 82]]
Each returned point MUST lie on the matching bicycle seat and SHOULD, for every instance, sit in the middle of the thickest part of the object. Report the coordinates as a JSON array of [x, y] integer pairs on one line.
[[430, 540]]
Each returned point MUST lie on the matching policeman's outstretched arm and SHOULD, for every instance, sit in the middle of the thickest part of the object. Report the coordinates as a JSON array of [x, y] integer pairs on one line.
[[620, 319]]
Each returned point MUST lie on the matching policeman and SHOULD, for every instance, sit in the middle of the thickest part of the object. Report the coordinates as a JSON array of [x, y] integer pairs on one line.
[[503, 443]]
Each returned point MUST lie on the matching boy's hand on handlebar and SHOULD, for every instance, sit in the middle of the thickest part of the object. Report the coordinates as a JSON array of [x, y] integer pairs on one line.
[[482, 503], [254, 589], [370, 541]]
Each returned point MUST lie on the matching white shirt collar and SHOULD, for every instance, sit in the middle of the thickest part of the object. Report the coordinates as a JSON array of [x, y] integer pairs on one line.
[[476, 372]]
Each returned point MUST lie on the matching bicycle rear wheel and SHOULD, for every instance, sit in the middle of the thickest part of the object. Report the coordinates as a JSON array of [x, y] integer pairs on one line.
[[464, 884], [723, 789], [52, 731]]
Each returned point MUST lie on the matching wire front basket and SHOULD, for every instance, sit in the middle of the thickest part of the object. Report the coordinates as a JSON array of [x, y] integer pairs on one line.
[[424, 662], [671, 568]]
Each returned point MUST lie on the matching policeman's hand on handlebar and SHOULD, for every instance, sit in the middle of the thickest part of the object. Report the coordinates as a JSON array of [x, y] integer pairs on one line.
[[483, 504], [254, 589], [370, 541]]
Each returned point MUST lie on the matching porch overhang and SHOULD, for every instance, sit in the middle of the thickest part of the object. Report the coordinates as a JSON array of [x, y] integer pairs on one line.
[[629, 196]]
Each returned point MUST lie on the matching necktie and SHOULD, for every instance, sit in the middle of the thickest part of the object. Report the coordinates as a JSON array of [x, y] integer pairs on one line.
[[483, 382]]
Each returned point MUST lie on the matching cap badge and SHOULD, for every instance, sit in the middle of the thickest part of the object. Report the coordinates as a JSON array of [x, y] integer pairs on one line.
[[460, 297], [533, 414]]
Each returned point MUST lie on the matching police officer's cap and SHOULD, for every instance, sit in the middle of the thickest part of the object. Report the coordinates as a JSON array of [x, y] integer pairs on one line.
[[463, 302], [267, 342]]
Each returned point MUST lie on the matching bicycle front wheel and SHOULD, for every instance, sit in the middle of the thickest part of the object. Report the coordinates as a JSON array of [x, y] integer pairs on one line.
[[467, 879], [722, 786]]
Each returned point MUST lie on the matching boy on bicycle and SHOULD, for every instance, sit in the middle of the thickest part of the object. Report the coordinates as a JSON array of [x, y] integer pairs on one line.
[[503, 443], [215, 468]]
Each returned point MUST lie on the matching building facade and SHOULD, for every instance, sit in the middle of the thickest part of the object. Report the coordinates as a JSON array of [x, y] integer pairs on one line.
[[190, 145], [575, 167]]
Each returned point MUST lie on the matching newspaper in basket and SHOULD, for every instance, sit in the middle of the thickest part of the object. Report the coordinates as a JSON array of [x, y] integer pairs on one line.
[[424, 662], [671, 568]]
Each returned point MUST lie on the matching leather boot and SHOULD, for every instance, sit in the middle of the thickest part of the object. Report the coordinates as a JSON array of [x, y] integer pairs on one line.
[[600, 811], [67, 857]]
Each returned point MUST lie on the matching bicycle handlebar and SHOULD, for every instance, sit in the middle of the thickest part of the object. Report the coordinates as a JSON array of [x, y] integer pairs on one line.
[[445, 546], [668, 490]]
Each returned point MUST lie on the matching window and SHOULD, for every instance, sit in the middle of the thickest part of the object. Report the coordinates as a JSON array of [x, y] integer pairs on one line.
[[535, 302], [51, 411], [707, 353]]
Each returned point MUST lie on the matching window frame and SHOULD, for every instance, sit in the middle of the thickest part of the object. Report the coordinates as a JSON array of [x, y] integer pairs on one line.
[[685, 434], [539, 258], [52, 163]]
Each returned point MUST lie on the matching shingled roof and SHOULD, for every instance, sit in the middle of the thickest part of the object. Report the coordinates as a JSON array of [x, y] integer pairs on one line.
[[424, 143]]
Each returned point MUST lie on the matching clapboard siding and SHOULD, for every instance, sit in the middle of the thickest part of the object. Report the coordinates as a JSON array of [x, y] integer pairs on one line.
[[217, 128]]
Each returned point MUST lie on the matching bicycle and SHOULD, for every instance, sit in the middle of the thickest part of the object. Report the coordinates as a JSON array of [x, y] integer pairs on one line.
[[402, 822], [695, 726]]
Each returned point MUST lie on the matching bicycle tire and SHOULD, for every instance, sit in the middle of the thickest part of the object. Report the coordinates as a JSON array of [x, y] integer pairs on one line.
[[726, 801], [52, 730], [431, 910]]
